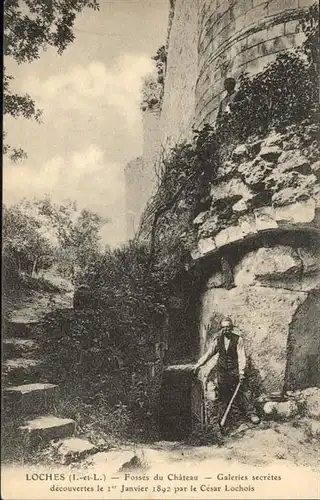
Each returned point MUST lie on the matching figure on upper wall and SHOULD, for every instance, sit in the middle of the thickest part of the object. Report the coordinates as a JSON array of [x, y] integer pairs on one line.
[[232, 99]]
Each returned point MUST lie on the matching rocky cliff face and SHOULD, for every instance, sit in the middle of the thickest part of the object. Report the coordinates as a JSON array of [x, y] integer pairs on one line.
[[263, 220]]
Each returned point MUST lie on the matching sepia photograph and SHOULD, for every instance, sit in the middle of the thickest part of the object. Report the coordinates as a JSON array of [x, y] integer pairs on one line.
[[161, 250]]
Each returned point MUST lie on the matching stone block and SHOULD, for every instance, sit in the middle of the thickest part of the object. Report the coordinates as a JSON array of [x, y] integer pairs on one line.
[[310, 259], [250, 54], [315, 168], [293, 160], [255, 15], [274, 139], [240, 207], [20, 370], [264, 219], [256, 38], [257, 65], [306, 3], [206, 245], [280, 410], [247, 225], [200, 219], [267, 264], [314, 428], [291, 27], [299, 212], [30, 399], [275, 31], [73, 449], [311, 402], [227, 236], [259, 2], [240, 152], [15, 347], [278, 6], [239, 9], [234, 188], [270, 153], [255, 172], [42, 430], [289, 196]]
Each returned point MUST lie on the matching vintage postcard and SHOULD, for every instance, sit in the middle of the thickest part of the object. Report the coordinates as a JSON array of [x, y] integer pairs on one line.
[[161, 250]]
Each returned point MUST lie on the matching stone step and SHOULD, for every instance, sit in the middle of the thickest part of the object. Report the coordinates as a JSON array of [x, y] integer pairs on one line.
[[30, 399], [16, 347], [22, 371], [18, 328], [73, 449], [40, 431]]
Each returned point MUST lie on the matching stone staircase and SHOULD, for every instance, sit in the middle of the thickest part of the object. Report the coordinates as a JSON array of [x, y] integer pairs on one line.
[[30, 401]]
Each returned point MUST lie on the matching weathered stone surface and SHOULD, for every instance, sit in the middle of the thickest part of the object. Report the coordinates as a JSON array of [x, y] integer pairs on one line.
[[274, 139], [270, 153], [280, 180], [255, 172], [264, 218], [206, 245], [210, 226], [73, 449], [200, 219], [293, 160], [313, 428], [280, 410], [310, 399], [228, 236], [21, 370], [29, 399], [267, 264], [234, 188], [240, 152], [315, 168], [44, 429], [302, 212], [226, 170], [216, 280], [240, 207], [287, 196], [263, 315]]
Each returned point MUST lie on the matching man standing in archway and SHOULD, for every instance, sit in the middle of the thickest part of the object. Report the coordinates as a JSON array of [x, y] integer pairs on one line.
[[231, 363]]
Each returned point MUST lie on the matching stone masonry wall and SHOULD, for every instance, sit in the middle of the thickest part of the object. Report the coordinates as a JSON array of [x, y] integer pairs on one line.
[[237, 36], [138, 192], [178, 105]]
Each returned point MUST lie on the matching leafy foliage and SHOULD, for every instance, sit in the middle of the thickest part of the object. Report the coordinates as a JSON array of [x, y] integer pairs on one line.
[[41, 233], [103, 350], [30, 28], [153, 86], [151, 93]]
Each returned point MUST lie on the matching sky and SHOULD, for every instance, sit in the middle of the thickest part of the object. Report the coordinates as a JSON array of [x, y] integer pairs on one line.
[[91, 124]]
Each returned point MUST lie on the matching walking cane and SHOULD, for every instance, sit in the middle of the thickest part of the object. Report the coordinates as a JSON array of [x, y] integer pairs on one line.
[[224, 418]]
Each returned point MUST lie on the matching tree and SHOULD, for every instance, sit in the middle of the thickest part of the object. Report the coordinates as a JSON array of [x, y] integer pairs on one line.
[[38, 234], [31, 26], [77, 233], [24, 241]]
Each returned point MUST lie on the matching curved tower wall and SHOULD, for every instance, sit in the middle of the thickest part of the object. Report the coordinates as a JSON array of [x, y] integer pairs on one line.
[[238, 36]]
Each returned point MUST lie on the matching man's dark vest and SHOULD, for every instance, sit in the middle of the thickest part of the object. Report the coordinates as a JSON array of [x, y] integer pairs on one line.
[[227, 359]]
